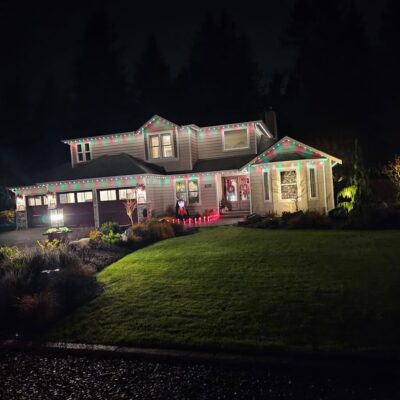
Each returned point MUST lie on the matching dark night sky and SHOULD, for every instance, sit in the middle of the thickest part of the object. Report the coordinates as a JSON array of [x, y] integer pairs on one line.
[[41, 38]]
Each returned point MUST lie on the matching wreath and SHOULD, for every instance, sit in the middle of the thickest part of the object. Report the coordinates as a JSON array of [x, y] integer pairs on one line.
[[230, 188], [245, 188]]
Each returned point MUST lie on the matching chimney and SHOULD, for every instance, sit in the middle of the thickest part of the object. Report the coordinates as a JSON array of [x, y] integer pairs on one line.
[[270, 121]]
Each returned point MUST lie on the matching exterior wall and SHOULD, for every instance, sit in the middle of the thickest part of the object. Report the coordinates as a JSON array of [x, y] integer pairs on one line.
[[277, 206], [210, 145], [161, 194], [194, 146], [132, 146], [183, 161]]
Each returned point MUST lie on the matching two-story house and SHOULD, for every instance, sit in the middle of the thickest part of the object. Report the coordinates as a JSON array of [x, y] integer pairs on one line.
[[242, 166]]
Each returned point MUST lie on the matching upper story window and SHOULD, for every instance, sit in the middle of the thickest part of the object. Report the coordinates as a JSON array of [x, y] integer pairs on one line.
[[236, 139], [83, 152], [161, 145]]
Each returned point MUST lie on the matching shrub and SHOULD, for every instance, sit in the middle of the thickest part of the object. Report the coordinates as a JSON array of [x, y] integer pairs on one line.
[[95, 235], [108, 227], [160, 230], [9, 253], [308, 220], [48, 245], [178, 229], [36, 311], [170, 211], [112, 238]]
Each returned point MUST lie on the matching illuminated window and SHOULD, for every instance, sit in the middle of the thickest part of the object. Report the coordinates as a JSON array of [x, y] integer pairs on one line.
[[193, 186], [35, 201], [84, 197], [67, 198], [288, 185], [125, 194], [313, 182], [236, 139], [83, 152], [161, 146], [267, 194], [188, 191], [108, 195]]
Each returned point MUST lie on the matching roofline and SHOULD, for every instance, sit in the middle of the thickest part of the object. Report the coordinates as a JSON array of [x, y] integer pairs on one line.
[[194, 126], [335, 159]]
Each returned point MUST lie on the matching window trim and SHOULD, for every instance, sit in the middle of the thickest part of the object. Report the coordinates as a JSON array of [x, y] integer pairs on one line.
[[68, 202], [86, 201], [127, 188], [269, 187], [236, 148], [175, 153], [187, 190], [84, 152], [108, 190], [299, 196], [309, 183]]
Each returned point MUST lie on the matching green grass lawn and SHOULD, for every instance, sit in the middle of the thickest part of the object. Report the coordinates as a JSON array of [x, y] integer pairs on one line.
[[236, 288]]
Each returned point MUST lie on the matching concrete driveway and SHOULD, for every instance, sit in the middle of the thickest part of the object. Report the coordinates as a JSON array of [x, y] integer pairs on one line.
[[22, 238]]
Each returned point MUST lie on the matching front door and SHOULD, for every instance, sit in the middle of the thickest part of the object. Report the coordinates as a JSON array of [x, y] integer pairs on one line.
[[237, 192]]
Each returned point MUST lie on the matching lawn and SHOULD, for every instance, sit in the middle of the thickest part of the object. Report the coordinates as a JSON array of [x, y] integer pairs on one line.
[[233, 288]]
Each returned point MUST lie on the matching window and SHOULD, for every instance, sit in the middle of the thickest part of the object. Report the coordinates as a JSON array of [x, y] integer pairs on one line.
[[35, 201], [161, 146], [288, 185], [188, 191], [84, 197], [67, 198], [267, 194], [108, 195], [83, 152], [181, 193], [125, 194], [313, 183], [193, 191], [236, 139]]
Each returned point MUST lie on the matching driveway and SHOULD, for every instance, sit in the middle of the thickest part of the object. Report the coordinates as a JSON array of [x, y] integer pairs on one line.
[[22, 238]]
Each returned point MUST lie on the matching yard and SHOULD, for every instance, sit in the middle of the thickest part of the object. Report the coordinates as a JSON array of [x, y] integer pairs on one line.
[[231, 288]]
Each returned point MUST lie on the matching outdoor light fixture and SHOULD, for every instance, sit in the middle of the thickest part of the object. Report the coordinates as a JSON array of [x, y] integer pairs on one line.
[[57, 217]]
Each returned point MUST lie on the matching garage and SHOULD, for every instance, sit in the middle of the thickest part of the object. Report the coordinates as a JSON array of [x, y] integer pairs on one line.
[[37, 211], [111, 205], [77, 208]]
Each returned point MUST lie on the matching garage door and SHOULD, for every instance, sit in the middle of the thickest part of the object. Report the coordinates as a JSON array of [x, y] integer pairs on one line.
[[37, 211], [77, 208]]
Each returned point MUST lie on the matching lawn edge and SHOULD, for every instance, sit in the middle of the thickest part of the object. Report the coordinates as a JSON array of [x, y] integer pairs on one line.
[[358, 362]]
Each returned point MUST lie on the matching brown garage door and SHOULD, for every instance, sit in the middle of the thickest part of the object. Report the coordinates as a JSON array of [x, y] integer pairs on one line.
[[77, 208], [111, 206], [37, 211]]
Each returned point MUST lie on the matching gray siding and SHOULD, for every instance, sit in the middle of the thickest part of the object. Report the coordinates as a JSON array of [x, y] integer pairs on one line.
[[210, 145]]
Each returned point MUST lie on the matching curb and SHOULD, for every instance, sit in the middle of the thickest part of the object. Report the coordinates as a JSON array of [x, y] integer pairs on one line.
[[359, 364]]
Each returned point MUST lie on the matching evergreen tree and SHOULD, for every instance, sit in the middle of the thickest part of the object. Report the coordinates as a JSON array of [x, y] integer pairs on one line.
[[152, 81], [220, 81], [332, 66], [100, 96]]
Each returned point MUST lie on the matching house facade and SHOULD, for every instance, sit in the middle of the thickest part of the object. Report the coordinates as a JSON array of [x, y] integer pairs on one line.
[[229, 168]]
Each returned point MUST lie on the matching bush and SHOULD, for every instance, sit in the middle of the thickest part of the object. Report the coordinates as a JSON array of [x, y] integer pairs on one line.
[[112, 238], [178, 229], [160, 230], [108, 227], [9, 253], [37, 311], [95, 235], [170, 211], [308, 220]]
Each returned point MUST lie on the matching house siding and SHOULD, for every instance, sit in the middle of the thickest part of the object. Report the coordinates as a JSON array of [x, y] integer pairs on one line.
[[210, 144], [278, 206]]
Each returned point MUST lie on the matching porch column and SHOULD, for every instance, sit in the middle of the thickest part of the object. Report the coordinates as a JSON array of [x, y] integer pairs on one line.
[[96, 209]]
